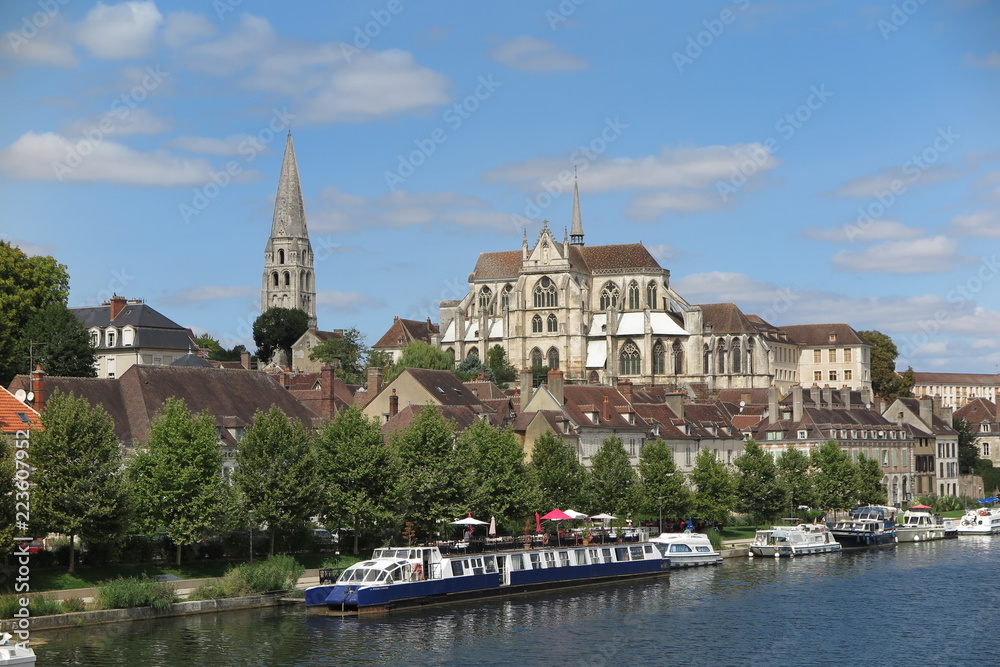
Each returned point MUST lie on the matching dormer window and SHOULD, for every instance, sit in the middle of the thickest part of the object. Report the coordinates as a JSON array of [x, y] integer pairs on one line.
[[803, 435], [110, 337], [95, 338], [128, 337], [833, 337]]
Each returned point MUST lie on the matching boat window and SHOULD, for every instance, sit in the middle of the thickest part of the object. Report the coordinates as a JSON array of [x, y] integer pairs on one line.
[[550, 559], [607, 555], [594, 558], [381, 553], [491, 564], [372, 575], [563, 559], [648, 548], [662, 548], [636, 552], [517, 562], [621, 554], [703, 550], [536, 561], [581, 557], [456, 568], [679, 548], [383, 576]]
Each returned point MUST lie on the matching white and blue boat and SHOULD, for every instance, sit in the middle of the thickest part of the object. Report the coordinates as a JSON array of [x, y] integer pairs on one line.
[[413, 576], [687, 549], [871, 526]]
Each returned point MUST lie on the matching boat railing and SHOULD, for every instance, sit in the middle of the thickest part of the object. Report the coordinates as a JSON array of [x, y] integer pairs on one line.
[[329, 575]]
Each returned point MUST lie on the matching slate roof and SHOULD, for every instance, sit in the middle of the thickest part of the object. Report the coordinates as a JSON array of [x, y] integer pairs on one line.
[[191, 360], [152, 329], [16, 416], [818, 335]]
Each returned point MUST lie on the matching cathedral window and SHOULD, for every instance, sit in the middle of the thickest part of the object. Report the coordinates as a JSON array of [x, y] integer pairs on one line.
[[486, 300], [536, 358], [651, 294], [553, 358], [302, 281], [281, 257], [748, 365], [545, 293], [473, 352], [629, 361], [288, 279], [659, 359], [633, 295], [505, 296], [274, 278], [720, 359], [552, 324], [736, 355], [609, 296], [536, 324], [678, 358], [708, 360]]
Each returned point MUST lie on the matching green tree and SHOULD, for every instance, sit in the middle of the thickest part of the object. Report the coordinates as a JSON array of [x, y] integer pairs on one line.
[[886, 382], [968, 452], [758, 491], [430, 483], [558, 475], [834, 477], [378, 359], [277, 473], [661, 490], [794, 478], [278, 329], [215, 350], [349, 351], [9, 493], [177, 477], [870, 489], [497, 483], [471, 367], [55, 339], [359, 475], [77, 485], [419, 354], [612, 478], [503, 371], [27, 285], [713, 488]]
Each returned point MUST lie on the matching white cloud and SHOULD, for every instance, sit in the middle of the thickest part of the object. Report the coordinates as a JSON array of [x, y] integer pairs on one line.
[[652, 206], [45, 45], [340, 211], [182, 28], [983, 224], [222, 147], [344, 301], [53, 157], [210, 293], [119, 32], [30, 249], [122, 122], [991, 61], [530, 54], [877, 230], [664, 253], [891, 179], [927, 255]]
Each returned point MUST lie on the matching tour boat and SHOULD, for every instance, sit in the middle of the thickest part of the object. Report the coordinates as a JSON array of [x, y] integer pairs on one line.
[[870, 526], [920, 526], [413, 576], [985, 521], [14, 654], [801, 540], [686, 549]]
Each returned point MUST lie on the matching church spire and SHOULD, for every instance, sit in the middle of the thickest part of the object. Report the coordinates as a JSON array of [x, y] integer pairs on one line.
[[289, 213], [576, 233]]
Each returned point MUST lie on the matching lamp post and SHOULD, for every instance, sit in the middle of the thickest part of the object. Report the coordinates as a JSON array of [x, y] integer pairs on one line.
[[661, 514]]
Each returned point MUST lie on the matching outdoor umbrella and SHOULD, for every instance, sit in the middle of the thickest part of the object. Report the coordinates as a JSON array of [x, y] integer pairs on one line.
[[920, 507], [573, 514], [557, 515], [603, 517], [538, 523], [470, 522], [493, 526], [991, 499]]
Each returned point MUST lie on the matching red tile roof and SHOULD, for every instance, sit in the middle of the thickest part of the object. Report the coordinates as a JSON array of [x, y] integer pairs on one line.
[[403, 332], [16, 416]]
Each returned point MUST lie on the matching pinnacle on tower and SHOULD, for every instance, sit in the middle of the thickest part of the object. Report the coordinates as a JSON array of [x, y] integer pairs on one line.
[[576, 233], [289, 212]]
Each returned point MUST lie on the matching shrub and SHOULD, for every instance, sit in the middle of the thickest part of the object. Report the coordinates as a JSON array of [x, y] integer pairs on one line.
[[715, 538], [43, 605], [71, 605], [210, 590], [8, 605], [60, 547], [135, 592], [278, 573]]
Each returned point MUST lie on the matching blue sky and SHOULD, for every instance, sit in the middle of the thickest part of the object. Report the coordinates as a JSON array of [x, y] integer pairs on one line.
[[809, 161]]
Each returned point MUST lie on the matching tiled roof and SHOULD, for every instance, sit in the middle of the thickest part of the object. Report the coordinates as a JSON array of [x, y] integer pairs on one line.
[[498, 265], [403, 332], [748, 396], [105, 392], [462, 416], [726, 318], [613, 257], [447, 388], [583, 400], [588, 259], [960, 379], [977, 410], [819, 334], [16, 416]]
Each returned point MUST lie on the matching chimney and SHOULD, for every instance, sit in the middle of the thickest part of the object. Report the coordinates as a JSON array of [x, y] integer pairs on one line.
[[936, 402], [815, 396], [772, 405], [393, 404], [927, 410], [606, 409], [899, 418], [946, 415], [877, 405], [625, 389], [866, 397], [526, 386], [117, 305], [556, 385], [245, 359], [374, 381], [826, 396], [845, 397], [675, 401], [38, 388], [797, 403]]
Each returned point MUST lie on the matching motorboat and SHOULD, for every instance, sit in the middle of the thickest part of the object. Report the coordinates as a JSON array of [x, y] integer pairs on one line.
[[687, 549], [871, 526], [410, 576], [14, 654], [920, 525], [801, 540], [983, 521]]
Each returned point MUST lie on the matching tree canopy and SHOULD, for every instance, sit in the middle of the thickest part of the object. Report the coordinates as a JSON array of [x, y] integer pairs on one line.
[[503, 371], [496, 482], [278, 329], [968, 452], [661, 485], [870, 489], [886, 382], [758, 491], [560, 478], [54, 338], [215, 350], [834, 477], [347, 352], [713, 488], [794, 477], [419, 354], [612, 478], [471, 367]]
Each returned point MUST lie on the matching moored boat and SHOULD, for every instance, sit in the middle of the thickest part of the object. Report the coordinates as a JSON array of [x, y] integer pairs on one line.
[[870, 526], [687, 549], [985, 521], [411, 576], [801, 540], [14, 654], [919, 525]]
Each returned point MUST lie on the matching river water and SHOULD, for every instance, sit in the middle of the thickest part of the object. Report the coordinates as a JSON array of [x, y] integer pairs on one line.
[[935, 603]]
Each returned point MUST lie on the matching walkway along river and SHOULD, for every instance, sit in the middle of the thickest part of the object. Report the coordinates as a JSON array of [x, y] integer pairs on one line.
[[933, 603]]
